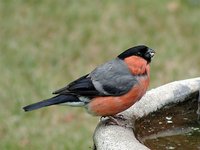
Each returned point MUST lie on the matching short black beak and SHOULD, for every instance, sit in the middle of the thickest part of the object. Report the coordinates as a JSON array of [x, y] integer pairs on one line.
[[151, 52]]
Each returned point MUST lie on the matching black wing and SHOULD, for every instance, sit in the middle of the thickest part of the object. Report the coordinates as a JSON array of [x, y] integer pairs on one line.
[[110, 79], [85, 87], [82, 86]]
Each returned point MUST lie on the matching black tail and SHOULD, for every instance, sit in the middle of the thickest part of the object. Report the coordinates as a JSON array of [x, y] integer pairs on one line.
[[59, 99]]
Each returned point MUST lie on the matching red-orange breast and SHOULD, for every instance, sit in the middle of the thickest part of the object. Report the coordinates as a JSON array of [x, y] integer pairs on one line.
[[111, 105]]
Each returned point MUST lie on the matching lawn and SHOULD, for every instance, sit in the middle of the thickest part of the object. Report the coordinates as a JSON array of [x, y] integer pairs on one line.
[[46, 44]]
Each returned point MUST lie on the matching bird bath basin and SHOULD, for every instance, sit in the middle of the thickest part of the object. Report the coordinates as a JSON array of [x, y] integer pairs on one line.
[[174, 126]]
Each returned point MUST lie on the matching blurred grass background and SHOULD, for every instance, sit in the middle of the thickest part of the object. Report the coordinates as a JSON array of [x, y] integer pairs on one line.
[[45, 44]]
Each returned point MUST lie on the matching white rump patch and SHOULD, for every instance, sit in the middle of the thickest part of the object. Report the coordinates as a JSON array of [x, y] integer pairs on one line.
[[84, 99], [74, 104]]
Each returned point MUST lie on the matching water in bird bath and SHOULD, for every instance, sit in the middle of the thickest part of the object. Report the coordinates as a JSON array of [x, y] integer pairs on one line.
[[175, 126]]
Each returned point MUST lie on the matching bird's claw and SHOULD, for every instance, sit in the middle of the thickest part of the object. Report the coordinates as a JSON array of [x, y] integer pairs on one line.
[[119, 120], [120, 117]]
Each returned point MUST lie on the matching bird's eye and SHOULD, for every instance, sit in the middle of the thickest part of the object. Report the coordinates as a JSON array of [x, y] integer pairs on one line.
[[138, 53]]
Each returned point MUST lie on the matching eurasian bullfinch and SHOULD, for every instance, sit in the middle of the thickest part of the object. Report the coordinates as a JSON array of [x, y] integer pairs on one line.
[[110, 88]]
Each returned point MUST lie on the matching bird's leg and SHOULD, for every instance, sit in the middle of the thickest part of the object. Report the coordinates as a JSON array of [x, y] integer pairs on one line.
[[116, 120], [110, 120], [113, 120], [119, 120], [120, 117]]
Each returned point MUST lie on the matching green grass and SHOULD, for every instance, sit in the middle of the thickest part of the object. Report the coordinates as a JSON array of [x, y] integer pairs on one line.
[[46, 44]]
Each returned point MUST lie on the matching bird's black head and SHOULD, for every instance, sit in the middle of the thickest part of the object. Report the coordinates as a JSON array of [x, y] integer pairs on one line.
[[141, 50]]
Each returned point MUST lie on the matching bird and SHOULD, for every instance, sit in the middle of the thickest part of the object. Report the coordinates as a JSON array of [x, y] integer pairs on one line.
[[110, 88]]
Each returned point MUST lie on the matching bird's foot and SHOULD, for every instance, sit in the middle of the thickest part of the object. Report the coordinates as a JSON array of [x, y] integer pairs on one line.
[[120, 117], [119, 120]]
